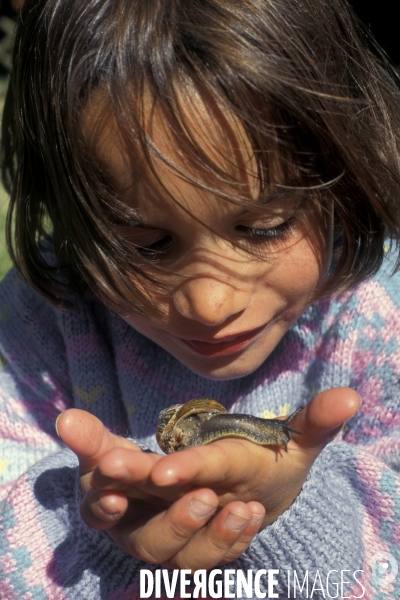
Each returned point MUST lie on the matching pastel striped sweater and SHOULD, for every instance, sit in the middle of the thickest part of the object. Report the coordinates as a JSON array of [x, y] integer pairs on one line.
[[348, 510]]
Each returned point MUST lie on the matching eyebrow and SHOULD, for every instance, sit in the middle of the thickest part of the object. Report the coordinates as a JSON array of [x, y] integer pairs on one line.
[[271, 198], [279, 195]]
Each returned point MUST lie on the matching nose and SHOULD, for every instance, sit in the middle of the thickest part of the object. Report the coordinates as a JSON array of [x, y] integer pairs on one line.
[[210, 300]]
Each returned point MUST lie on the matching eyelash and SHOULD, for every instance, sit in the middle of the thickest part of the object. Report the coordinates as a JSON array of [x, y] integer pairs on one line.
[[268, 234], [252, 235], [154, 251]]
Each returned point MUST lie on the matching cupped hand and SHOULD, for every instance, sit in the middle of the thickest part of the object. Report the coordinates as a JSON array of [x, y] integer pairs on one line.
[[239, 470], [199, 507], [156, 524]]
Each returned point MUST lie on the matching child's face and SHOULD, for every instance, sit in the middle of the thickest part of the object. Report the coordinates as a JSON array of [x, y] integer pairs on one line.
[[230, 308]]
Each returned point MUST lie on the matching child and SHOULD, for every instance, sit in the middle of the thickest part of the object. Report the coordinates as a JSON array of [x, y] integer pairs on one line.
[[204, 203]]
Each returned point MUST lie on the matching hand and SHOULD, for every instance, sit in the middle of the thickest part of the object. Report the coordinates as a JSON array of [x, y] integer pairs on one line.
[[162, 491], [239, 470], [162, 525]]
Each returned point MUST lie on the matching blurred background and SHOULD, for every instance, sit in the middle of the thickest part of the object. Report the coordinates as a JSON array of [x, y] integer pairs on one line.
[[8, 12], [380, 17]]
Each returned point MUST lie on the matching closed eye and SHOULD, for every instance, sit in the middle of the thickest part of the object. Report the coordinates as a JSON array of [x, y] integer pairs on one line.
[[267, 234], [156, 249]]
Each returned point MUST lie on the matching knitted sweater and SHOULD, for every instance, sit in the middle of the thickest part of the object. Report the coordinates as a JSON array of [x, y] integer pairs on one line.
[[347, 511]]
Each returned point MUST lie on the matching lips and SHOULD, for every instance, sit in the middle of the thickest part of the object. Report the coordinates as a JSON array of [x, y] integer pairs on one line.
[[225, 346]]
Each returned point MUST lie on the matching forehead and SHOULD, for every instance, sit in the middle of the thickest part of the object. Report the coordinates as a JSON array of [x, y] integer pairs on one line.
[[200, 141]]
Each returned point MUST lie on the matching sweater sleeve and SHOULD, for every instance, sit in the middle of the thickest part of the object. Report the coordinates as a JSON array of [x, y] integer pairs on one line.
[[34, 386], [346, 513], [345, 523], [46, 551]]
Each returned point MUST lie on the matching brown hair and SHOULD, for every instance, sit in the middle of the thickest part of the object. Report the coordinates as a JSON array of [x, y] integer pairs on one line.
[[297, 73]]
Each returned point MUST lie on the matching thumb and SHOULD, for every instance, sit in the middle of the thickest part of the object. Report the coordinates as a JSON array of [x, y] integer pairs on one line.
[[324, 416], [86, 435]]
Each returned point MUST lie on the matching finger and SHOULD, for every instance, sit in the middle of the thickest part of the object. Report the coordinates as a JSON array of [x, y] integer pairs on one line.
[[86, 435], [224, 538], [324, 416], [103, 509], [220, 463], [223, 464], [126, 470], [256, 523], [159, 538]]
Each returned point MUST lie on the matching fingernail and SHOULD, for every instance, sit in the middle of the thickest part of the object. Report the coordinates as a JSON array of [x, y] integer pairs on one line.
[[201, 509], [56, 424], [236, 522], [107, 507], [256, 519]]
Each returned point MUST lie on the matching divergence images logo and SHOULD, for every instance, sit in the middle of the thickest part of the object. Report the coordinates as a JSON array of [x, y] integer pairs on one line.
[[384, 569]]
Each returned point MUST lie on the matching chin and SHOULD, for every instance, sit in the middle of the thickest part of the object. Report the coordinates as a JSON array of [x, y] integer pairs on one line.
[[225, 371]]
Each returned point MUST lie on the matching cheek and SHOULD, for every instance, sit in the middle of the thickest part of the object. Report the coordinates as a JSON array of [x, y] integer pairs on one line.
[[303, 273], [298, 273]]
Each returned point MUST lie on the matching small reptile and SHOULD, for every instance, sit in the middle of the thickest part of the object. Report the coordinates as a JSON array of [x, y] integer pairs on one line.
[[202, 421]]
